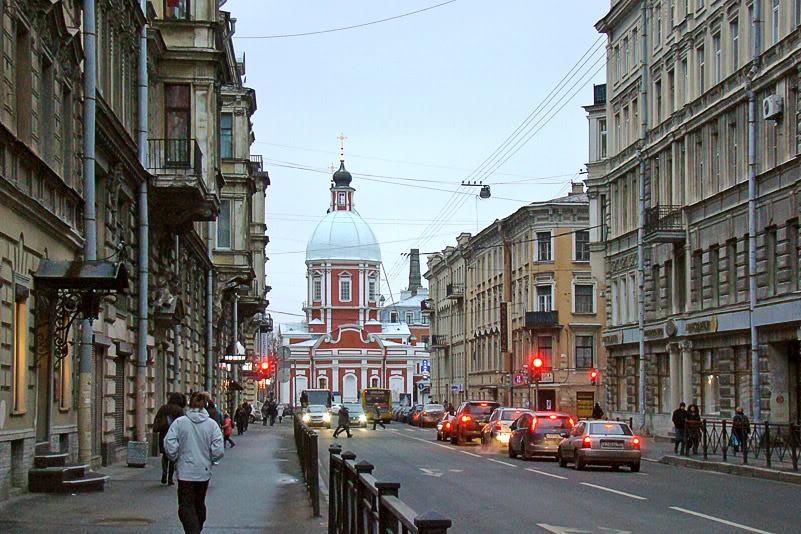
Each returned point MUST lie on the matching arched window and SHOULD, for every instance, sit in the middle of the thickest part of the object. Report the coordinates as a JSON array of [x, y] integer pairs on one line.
[[349, 391], [375, 382], [301, 383], [396, 385], [322, 382]]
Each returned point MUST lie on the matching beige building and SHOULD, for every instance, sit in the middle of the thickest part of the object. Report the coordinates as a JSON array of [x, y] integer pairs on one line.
[[704, 300], [554, 308]]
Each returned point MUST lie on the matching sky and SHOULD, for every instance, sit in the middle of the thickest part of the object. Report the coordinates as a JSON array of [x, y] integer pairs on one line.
[[423, 100]]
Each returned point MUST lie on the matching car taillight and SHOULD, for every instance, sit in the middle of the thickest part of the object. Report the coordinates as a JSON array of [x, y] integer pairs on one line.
[[570, 420], [483, 404], [551, 417], [533, 423], [636, 442], [498, 425], [447, 425], [425, 413], [465, 418], [586, 443]]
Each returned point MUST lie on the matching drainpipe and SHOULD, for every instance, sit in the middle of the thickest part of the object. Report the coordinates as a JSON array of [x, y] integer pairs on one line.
[[176, 330], [235, 337], [144, 246], [641, 230], [90, 226], [756, 389], [209, 310]]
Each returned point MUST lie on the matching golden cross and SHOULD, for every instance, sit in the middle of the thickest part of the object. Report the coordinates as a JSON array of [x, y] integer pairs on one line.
[[342, 139], [331, 168]]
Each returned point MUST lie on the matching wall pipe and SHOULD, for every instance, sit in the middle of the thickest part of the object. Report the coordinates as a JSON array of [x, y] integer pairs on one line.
[[235, 337], [209, 310], [641, 230], [176, 329], [756, 389], [85, 386]]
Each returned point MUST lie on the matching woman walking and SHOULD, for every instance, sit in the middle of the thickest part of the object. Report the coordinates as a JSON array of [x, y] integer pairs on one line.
[[228, 429], [166, 415]]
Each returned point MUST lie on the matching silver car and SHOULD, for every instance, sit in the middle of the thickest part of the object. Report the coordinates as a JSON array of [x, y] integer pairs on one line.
[[594, 442], [316, 415]]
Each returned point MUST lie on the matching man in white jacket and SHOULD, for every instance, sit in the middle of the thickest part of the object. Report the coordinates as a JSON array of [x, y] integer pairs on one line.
[[194, 442]]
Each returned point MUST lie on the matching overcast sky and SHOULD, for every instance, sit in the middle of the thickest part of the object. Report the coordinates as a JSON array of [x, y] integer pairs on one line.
[[424, 97]]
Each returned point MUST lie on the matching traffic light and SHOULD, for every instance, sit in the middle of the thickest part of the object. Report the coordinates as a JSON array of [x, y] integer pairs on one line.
[[594, 376], [536, 368], [265, 366]]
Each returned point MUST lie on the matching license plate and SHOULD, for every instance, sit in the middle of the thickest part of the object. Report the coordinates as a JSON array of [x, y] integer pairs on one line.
[[611, 444], [553, 436]]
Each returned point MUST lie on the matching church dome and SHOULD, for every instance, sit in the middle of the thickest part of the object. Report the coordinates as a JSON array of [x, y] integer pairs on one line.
[[342, 177], [343, 235]]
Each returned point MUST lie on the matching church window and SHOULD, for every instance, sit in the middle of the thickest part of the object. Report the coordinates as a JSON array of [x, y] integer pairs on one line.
[[317, 289], [373, 286], [341, 200], [344, 290]]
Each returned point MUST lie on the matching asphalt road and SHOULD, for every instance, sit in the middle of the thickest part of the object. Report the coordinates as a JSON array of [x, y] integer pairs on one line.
[[489, 492]]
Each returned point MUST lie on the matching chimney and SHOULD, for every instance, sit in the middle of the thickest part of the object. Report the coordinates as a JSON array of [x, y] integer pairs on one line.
[[415, 282], [577, 188]]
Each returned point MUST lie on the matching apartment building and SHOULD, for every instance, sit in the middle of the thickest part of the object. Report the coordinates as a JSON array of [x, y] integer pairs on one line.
[[696, 195]]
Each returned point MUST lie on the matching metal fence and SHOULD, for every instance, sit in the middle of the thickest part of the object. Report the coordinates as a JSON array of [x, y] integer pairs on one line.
[[773, 443], [306, 445], [360, 504]]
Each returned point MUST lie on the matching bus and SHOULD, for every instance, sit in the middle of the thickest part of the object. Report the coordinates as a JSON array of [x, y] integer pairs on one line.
[[318, 397], [380, 396]]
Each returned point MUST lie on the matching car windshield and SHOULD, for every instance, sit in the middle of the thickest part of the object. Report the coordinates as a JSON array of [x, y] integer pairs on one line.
[[317, 409], [610, 429], [434, 407], [511, 415], [481, 408], [554, 422], [353, 408]]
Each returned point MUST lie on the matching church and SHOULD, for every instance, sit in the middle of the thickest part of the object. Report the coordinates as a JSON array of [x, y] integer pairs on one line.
[[342, 345]]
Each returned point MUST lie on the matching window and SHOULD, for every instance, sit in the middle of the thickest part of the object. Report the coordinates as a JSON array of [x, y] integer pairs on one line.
[[544, 298], [618, 139], [393, 317], [671, 91], [685, 84], [617, 63], [625, 55], [626, 126], [714, 274], [178, 113], [545, 350], [176, 9], [583, 294], [669, 287], [734, 32], [341, 198], [602, 138], [375, 382], [718, 57], [731, 270], [582, 238], [317, 289], [663, 383], [66, 134], [733, 155], [697, 279], [700, 5], [775, 21], [224, 225], [20, 370], [714, 141], [544, 246], [770, 256], [584, 352], [372, 289], [409, 317], [226, 135], [797, 13], [656, 294], [658, 101], [701, 67], [671, 15], [710, 384], [792, 251], [344, 290], [657, 25], [47, 136], [22, 81]]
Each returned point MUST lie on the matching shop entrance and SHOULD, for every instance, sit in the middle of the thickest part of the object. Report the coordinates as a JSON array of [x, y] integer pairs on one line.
[[794, 380], [546, 400]]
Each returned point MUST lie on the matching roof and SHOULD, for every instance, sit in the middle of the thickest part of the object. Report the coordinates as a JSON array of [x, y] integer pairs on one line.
[[571, 198], [343, 235], [408, 301], [395, 329]]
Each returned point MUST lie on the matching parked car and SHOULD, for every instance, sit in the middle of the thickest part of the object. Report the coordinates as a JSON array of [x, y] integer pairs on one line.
[[414, 414], [317, 415], [444, 427], [404, 414], [430, 415], [538, 434], [496, 432], [594, 442], [470, 418]]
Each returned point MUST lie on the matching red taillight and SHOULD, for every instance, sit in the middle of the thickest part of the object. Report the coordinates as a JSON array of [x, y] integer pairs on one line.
[[483, 404], [465, 418], [533, 423], [636, 442], [586, 443], [447, 425], [570, 420], [498, 425], [425, 413]]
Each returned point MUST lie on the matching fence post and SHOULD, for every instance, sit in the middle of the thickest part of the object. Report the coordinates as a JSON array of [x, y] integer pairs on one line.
[[725, 438], [385, 489], [314, 474], [746, 442], [432, 523], [768, 451], [344, 518], [333, 491], [705, 439], [794, 439], [361, 494]]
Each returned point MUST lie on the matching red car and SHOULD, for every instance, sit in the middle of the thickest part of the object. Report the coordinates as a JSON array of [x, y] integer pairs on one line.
[[470, 419], [444, 427]]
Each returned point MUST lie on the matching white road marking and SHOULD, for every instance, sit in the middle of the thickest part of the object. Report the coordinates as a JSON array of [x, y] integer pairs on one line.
[[431, 472], [545, 473], [471, 454], [500, 462], [719, 520], [561, 530], [409, 429], [455, 470], [618, 492]]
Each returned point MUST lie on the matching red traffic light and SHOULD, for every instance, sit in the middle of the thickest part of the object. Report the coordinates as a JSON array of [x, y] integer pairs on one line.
[[593, 374], [536, 363], [265, 366]]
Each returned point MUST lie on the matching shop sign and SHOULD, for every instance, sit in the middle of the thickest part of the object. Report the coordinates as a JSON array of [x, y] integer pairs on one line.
[[546, 378], [703, 326], [652, 333], [611, 339], [585, 401]]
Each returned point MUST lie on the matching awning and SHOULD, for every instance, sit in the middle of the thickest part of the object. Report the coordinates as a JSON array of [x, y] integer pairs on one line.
[[86, 275]]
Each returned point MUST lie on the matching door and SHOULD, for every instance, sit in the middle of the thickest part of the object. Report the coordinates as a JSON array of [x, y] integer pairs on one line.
[[520, 426], [44, 380], [546, 400], [349, 390], [794, 380]]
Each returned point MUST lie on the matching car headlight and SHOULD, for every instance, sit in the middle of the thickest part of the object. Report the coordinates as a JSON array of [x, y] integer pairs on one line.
[[326, 417], [306, 418], [362, 418]]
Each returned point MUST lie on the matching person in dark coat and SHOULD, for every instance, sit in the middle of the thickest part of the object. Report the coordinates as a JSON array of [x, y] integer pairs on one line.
[[214, 413], [740, 429], [169, 412], [240, 418], [248, 411], [265, 413], [344, 421], [273, 411], [679, 423], [377, 417], [693, 436], [597, 411]]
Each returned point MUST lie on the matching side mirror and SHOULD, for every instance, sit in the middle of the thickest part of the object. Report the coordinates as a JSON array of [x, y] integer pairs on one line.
[[565, 434]]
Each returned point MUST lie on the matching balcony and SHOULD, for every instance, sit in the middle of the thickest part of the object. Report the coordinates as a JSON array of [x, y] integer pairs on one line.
[[454, 291], [542, 319], [439, 341], [178, 190], [663, 224], [427, 306]]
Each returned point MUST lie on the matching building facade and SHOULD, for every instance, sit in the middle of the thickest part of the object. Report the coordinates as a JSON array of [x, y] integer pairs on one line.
[[702, 99]]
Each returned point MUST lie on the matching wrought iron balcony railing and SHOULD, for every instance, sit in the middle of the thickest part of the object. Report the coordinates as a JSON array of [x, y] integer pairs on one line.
[[664, 220], [540, 319], [454, 291], [168, 155], [439, 340]]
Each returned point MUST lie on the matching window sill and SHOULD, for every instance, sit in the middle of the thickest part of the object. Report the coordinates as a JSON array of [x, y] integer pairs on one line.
[[16, 413]]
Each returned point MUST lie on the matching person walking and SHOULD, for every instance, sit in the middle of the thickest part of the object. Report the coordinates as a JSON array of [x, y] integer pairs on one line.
[[228, 429], [214, 413], [248, 411], [194, 442], [265, 413], [344, 421], [165, 417], [273, 411], [240, 416], [740, 429], [693, 436], [377, 417], [597, 411], [280, 412], [679, 428]]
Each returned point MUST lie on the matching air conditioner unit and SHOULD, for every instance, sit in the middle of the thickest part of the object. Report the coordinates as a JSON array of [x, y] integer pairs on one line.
[[771, 107]]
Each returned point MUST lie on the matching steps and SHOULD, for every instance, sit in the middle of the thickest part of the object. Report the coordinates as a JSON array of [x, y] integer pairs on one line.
[[51, 474]]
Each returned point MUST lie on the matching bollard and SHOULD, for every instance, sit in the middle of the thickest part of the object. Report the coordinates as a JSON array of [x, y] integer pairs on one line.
[[432, 523], [768, 451], [705, 442], [725, 446], [386, 522], [314, 474]]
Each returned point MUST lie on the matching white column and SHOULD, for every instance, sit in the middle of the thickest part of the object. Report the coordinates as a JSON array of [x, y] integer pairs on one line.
[[687, 373], [675, 376]]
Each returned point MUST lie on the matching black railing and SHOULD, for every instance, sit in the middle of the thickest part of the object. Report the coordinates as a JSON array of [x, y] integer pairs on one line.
[[454, 290], [359, 503], [542, 318], [165, 155], [773, 443], [306, 444], [257, 162], [663, 219], [439, 340]]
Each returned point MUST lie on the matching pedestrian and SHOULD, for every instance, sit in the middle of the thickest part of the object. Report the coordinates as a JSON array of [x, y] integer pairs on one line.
[[228, 429], [265, 413], [240, 416], [273, 411], [280, 411], [194, 442], [693, 432], [214, 413], [679, 424], [377, 417], [740, 429], [344, 421], [451, 411], [597, 411], [165, 417], [248, 411]]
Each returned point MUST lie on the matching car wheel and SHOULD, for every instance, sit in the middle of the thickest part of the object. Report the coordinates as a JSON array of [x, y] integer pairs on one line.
[[512, 453], [580, 465], [459, 439], [562, 461], [454, 440], [635, 467], [615, 467]]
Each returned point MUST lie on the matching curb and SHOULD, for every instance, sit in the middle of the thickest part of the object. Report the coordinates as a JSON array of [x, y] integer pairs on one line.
[[733, 469]]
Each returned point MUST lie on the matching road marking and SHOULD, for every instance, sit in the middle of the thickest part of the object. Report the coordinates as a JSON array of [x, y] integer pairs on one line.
[[610, 490], [431, 472], [409, 429], [455, 470], [471, 454], [500, 462], [545, 473], [561, 530], [719, 520]]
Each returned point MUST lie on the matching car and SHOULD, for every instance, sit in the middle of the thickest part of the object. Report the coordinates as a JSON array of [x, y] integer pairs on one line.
[[496, 432], [538, 434], [317, 415], [414, 414], [470, 419], [395, 407], [430, 415], [404, 414], [594, 442], [356, 414], [444, 427]]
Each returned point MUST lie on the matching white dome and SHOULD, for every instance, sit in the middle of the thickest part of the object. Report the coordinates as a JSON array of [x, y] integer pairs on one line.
[[343, 235]]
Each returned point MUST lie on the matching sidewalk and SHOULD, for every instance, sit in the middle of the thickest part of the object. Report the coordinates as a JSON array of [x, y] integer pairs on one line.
[[662, 451], [256, 488]]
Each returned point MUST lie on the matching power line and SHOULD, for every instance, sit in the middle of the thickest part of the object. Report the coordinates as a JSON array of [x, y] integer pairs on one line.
[[342, 28], [337, 247]]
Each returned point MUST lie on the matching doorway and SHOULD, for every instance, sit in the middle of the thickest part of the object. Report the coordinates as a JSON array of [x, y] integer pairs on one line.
[[99, 354], [546, 400], [794, 381]]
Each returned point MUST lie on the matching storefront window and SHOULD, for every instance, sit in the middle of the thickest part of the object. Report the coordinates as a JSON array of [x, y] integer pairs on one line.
[[710, 383], [663, 383]]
